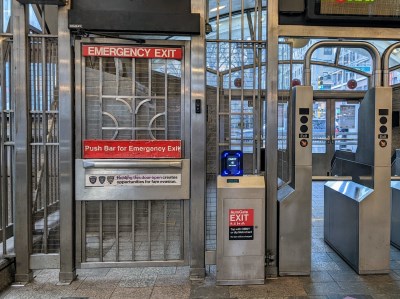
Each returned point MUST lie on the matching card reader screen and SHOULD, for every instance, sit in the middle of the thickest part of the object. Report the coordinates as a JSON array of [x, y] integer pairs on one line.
[[304, 111], [383, 111], [232, 163]]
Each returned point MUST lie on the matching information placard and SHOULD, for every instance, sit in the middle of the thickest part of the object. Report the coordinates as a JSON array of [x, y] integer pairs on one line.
[[107, 180], [241, 224]]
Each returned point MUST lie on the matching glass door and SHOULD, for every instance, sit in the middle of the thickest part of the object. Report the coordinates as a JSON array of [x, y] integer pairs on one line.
[[335, 127]]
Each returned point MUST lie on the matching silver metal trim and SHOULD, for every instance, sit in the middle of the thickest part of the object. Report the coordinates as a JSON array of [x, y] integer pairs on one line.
[[93, 265], [136, 164], [347, 44], [385, 63], [271, 133], [66, 150]]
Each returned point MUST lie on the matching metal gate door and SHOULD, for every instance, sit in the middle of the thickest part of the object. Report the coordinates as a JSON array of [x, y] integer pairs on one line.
[[335, 127], [133, 103]]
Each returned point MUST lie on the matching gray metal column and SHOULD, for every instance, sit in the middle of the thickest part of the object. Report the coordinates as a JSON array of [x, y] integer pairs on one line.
[[23, 157], [271, 159], [295, 198], [198, 148], [66, 155]]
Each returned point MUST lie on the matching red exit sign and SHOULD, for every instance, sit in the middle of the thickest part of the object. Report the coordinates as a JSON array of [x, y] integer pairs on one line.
[[131, 52]]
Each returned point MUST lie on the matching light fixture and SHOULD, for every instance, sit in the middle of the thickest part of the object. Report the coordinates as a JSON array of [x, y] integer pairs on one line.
[[208, 28], [217, 8]]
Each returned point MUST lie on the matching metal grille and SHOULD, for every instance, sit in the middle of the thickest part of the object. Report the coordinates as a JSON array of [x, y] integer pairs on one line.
[[7, 138], [120, 231], [43, 69], [285, 75], [132, 99], [236, 59]]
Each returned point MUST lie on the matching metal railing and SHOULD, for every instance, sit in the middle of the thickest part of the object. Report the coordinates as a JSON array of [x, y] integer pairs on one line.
[[43, 77], [7, 138]]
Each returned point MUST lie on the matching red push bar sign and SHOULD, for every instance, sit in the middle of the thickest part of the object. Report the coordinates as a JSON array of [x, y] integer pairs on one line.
[[131, 52], [131, 149]]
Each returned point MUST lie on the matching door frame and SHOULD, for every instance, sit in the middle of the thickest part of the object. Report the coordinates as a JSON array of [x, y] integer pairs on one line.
[[331, 97]]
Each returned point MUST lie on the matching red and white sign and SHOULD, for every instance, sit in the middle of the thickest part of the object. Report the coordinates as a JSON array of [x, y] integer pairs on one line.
[[128, 149], [131, 52], [241, 217]]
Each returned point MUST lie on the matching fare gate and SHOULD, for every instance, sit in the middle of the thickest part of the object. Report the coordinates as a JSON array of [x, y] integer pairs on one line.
[[132, 159]]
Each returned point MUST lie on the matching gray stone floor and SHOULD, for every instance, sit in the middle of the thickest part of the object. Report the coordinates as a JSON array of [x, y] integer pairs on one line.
[[330, 278]]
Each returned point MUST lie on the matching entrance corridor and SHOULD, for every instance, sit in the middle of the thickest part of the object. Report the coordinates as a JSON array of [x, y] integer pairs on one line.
[[331, 278]]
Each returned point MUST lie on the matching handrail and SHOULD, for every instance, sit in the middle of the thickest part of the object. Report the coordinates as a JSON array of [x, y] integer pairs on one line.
[[385, 63], [348, 44], [136, 164]]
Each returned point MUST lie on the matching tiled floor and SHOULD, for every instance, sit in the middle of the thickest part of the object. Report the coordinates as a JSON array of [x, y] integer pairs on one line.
[[330, 278]]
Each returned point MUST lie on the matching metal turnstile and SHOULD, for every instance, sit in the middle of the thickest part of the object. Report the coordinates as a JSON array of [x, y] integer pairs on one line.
[[294, 199], [357, 213], [240, 230], [395, 217]]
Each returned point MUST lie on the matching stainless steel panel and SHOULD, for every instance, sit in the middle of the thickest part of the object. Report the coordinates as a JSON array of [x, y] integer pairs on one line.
[[375, 225], [341, 224], [23, 194], [357, 218], [197, 145], [369, 151], [150, 192], [66, 151], [395, 217], [271, 159], [294, 200], [240, 261], [295, 225]]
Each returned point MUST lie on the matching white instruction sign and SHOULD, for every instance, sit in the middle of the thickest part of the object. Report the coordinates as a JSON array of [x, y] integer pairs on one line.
[[107, 180]]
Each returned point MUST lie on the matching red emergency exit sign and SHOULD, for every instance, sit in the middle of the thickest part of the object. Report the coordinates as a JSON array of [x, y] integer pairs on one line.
[[131, 52], [241, 217], [132, 149]]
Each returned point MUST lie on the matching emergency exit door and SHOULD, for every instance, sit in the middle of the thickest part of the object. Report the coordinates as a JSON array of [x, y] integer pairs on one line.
[[132, 160], [335, 127]]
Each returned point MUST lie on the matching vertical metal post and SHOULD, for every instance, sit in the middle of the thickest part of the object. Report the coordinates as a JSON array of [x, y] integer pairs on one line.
[[66, 151], [117, 229], [271, 159], [23, 157], [133, 230], [198, 148], [149, 229], [3, 157], [165, 229]]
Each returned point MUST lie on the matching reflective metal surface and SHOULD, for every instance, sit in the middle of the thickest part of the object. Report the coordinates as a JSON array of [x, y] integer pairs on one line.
[[395, 218], [357, 221], [196, 68], [23, 169], [294, 200], [110, 169], [271, 159], [240, 261], [66, 148]]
